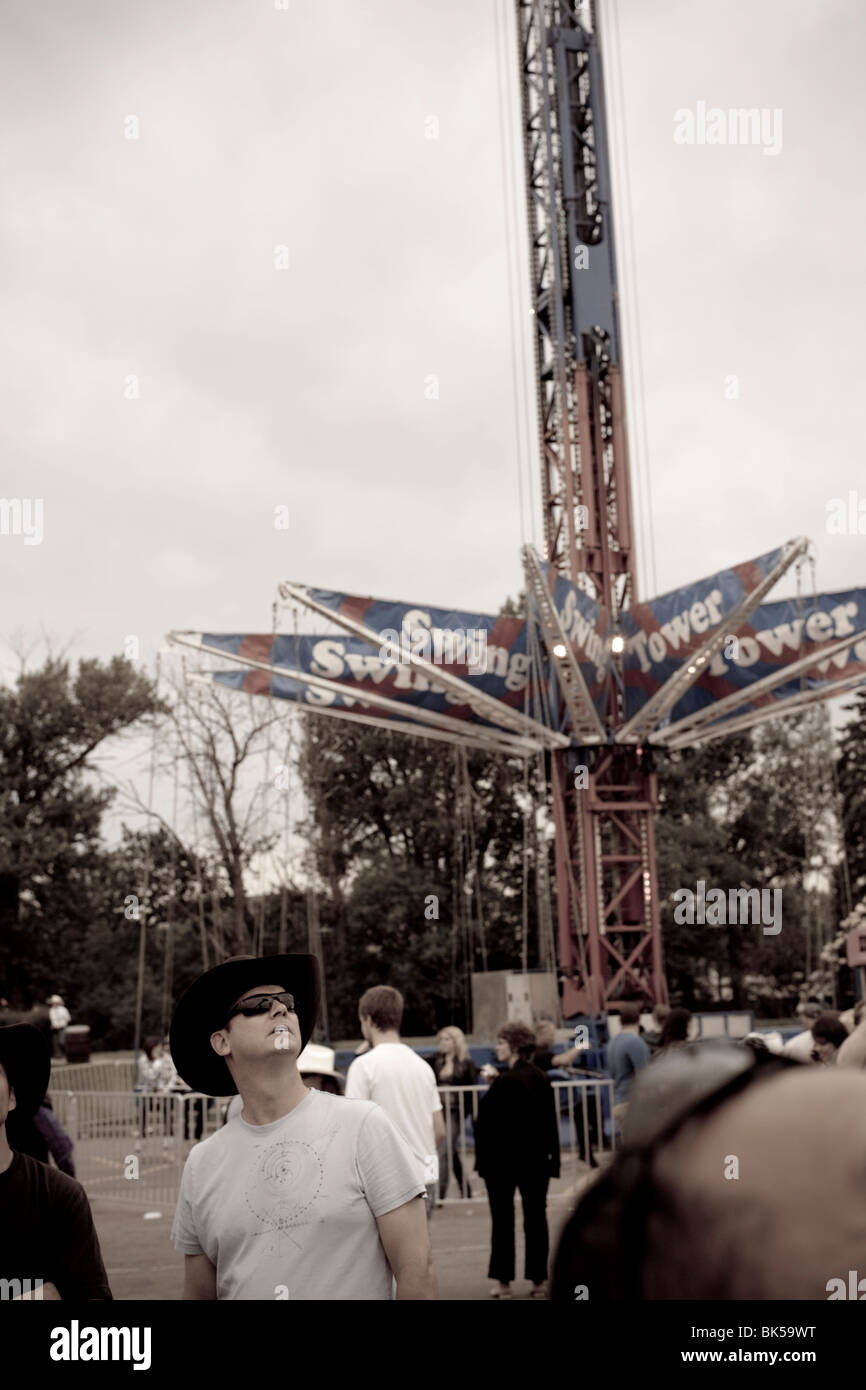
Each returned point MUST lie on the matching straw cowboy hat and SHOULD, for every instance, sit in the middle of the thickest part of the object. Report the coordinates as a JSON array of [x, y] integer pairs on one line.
[[316, 1060], [202, 1010]]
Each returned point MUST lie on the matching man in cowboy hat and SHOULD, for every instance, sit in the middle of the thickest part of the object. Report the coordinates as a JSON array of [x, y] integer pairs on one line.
[[316, 1066], [48, 1244], [305, 1195]]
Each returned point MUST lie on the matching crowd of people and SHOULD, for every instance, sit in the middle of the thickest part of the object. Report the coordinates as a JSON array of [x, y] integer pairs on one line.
[[320, 1187]]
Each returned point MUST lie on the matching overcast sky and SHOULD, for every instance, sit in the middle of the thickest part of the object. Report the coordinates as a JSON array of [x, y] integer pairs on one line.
[[258, 387]]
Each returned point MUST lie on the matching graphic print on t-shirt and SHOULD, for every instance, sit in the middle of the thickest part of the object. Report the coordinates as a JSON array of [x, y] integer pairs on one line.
[[284, 1185]]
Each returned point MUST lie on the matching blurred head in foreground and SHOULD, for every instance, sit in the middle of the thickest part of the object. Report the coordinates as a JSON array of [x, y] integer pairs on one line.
[[742, 1176], [828, 1035]]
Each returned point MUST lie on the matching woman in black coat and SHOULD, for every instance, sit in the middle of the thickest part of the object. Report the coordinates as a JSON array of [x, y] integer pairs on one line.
[[454, 1067], [517, 1146]]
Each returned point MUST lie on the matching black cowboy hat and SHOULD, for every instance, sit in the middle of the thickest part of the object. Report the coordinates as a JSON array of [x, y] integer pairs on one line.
[[202, 1010], [26, 1059]]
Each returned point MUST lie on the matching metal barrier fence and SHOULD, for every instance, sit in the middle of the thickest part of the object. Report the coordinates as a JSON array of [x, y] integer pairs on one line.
[[132, 1148], [113, 1076], [586, 1132]]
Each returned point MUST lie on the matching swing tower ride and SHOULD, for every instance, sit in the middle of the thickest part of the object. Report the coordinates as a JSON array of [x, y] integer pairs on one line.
[[608, 918], [624, 679]]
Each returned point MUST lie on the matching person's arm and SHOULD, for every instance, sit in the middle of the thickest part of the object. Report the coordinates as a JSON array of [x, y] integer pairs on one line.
[[852, 1053], [438, 1126], [199, 1279], [553, 1131], [438, 1113], [548, 1122], [55, 1136], [80, 1271], [406, 1242], [357, 1083], [487, 1123], [47, 1290]]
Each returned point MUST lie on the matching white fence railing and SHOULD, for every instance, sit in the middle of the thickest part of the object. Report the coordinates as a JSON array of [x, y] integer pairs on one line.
[[131, 1148], [584, 1108], [114, 1076]]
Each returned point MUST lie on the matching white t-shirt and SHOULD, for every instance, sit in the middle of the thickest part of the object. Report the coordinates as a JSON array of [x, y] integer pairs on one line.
[[292, 1206], [404, 1085], [800, 1046]]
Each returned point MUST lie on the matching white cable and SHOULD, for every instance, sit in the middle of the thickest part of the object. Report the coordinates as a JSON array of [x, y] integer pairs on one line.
[[508, 199], [617, 111]]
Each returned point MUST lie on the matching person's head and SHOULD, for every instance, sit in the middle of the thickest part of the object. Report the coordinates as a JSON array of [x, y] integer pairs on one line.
[[380, 1010], [807, 1012], [452, 1043], [629, 1016], [515, 1042], [314, 1081], [744, 1181], [250, 1015], [152, 1048], [262, 1041], [7, 1096], [545, 1033], [660, 1013], [675, 1028], [828, 1035], [25, 1070], [317, 1069]]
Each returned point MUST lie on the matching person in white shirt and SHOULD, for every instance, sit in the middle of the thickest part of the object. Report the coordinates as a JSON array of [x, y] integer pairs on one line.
[[400, 1081], [801, 1046], [60, 1020], [303, 1196]]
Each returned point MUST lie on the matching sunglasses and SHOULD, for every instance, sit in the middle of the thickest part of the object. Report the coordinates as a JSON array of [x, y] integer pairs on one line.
[[611, 1223], [260, 1004]]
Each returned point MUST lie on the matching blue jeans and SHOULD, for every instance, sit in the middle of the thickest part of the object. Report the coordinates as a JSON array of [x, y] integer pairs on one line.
[[446, 1159]]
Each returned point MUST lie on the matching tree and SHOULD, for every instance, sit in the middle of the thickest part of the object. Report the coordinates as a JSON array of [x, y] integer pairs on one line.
[[418, 848], [218, 742], [52, 721], [850, 765], [750, 811]]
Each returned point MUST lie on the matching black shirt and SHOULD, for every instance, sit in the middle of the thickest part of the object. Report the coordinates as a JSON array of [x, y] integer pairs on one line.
[[47, 1231], [517, 1129], [464, 1073]]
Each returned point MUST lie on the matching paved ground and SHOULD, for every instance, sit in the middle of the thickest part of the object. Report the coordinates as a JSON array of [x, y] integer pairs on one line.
[[142, 1263]]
